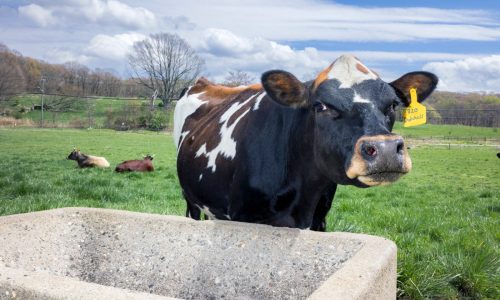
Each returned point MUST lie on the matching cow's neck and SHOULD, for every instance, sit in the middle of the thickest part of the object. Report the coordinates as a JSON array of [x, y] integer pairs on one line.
[[313, 185], [81, 158]]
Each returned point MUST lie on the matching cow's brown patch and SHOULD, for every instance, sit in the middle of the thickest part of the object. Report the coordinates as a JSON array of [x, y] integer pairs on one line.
[[322, 76], [217, 93], [362, 68]]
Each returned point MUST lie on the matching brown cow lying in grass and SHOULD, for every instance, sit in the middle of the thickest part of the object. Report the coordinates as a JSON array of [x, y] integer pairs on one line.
[[144, 165], [88, 161]]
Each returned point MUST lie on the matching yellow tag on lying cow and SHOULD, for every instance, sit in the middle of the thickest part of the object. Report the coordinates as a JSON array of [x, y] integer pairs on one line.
[[415, 113]]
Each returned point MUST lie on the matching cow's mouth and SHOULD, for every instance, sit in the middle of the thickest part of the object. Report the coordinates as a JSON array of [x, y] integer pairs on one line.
[[380, 178]]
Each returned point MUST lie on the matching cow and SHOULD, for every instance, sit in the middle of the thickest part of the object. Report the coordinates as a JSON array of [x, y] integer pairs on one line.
[[274, 153], [88, 161], [140, 165]]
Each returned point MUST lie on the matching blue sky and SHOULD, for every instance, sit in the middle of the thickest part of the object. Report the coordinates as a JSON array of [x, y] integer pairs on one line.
[[457, 40]]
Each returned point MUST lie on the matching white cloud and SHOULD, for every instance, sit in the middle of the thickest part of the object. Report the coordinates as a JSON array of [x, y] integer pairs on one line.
[[132, 16], [322, 20], [470, 74], [225, 51], [113, 47], [58, 55], [94, 11], [408, 57], [38, 14]]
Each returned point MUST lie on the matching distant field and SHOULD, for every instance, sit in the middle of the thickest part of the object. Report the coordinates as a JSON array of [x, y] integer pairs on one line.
[[447, 131], [444, 215], [82, 113]]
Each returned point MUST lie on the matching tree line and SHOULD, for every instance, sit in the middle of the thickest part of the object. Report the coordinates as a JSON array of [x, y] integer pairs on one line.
[[22, 74], [162, 64]]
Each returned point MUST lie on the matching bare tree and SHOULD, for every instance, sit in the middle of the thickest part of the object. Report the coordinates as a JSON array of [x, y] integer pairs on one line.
[[237, 78], [165, 62], [11, 76]]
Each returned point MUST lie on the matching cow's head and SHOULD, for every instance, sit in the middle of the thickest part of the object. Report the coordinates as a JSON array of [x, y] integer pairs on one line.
[[353, 114], [74, 155]]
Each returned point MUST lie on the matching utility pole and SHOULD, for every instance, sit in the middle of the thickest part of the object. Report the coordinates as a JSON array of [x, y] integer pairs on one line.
[[42, 89], [153, 99]]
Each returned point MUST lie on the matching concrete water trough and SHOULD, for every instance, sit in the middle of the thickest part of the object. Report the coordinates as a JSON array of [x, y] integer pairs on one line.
[[86, 253]]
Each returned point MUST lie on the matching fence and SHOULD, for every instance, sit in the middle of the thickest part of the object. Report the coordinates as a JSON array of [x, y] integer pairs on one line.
[[57, 110], [468, 117]]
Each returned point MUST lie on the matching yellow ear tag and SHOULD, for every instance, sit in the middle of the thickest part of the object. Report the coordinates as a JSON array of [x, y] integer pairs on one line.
[[415, 114]]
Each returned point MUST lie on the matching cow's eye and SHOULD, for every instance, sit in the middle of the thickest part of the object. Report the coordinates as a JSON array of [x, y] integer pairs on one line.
[[320, 106], [330, 110], [390, 109]]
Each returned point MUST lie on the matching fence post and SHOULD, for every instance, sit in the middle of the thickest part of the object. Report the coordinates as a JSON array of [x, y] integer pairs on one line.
[[42, 89]]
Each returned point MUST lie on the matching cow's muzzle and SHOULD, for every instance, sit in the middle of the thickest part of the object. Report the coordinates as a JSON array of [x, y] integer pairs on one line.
[[378, 160]]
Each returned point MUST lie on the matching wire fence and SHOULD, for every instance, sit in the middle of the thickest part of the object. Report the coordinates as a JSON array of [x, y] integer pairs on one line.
[[120, 113], [460, 116]]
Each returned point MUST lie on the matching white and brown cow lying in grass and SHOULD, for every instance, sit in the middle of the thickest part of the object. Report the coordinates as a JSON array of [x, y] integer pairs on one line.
[[88, 161]]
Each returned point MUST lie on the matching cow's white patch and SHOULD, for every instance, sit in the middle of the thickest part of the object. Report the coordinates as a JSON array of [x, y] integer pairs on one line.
[[359, 99], [227, 217], [207, 212], [227, 145], [257, 101], [201, 177], [202, 150], [185, 107], [182, 137], [345, 71]]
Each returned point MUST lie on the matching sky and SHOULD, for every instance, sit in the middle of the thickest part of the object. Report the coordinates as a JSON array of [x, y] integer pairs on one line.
[[457, 40]]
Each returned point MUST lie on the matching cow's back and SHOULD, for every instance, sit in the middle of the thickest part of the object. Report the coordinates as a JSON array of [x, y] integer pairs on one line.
[[97, 161], [199, 101]]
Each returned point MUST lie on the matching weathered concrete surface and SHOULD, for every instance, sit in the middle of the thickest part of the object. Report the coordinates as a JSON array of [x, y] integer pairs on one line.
[[85, 253]]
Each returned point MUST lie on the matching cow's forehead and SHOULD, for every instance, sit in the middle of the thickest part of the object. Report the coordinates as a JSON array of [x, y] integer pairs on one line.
[[348, 81], [347, 70]]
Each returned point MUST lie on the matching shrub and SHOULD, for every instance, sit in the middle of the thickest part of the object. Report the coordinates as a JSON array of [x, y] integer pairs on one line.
[[158, 120]]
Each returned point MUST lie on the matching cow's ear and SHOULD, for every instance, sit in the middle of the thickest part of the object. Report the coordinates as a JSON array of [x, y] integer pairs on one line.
[[423, 82], [285, 88]]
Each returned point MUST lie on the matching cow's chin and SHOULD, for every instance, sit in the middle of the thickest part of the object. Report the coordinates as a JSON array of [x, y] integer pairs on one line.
[[383, 178]]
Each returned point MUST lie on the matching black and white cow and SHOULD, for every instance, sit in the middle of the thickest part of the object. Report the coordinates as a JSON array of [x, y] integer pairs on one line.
[[274, 153]]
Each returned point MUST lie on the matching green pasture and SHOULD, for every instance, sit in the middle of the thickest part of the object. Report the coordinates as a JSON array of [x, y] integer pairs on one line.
[[443, 216]]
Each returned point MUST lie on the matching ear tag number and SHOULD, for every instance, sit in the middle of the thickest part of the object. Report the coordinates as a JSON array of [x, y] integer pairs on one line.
[[415, 114]]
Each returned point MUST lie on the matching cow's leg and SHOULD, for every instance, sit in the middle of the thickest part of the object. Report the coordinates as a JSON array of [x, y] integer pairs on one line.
[[192, 211], [324, 205]]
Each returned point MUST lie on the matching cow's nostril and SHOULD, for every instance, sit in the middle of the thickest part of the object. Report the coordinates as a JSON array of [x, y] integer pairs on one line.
[[370, 150], [400, 147]]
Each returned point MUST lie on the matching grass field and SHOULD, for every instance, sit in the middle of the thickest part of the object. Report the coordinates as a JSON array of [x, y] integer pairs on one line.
[[444, 215]]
